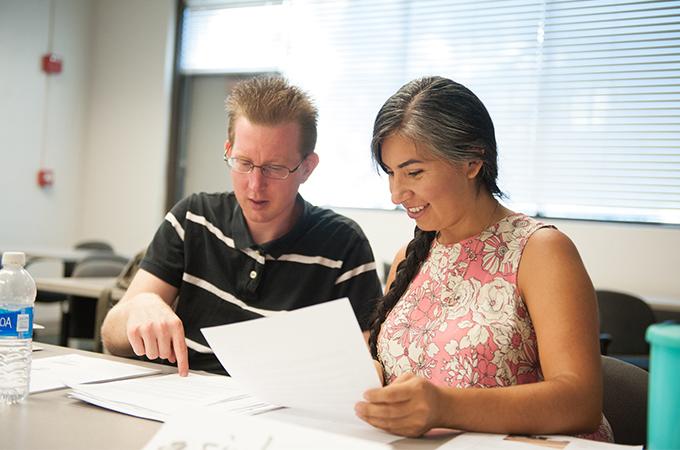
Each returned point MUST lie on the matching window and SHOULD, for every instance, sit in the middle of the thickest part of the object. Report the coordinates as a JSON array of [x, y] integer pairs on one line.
[[584, 94]]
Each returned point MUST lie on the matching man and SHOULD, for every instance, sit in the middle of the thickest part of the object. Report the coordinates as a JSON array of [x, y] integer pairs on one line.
[[229, 257]]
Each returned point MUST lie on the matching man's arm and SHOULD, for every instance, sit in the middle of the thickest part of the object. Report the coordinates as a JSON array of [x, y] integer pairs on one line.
[[144, 323]]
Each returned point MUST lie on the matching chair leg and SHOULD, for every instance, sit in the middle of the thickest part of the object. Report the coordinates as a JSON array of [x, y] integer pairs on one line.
[[63, 332]]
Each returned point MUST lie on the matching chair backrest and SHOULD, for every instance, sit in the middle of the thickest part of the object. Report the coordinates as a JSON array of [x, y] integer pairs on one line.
[[83, 311], [94, 245], [100, 266], [625, 318], [625, 400]]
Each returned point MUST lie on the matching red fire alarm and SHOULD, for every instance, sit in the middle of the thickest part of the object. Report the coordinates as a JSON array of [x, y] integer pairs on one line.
[[45, 178], [51, 63]]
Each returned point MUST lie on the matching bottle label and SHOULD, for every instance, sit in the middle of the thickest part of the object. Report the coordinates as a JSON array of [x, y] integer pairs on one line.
[[16, 323]]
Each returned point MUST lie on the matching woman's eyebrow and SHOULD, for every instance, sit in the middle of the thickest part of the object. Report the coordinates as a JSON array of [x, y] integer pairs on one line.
[[408, 163]]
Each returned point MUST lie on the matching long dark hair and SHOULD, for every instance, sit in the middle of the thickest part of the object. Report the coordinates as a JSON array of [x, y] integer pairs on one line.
[[456, 127]]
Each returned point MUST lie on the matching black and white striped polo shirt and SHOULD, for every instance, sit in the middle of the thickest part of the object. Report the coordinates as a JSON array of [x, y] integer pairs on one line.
[[205, 250]]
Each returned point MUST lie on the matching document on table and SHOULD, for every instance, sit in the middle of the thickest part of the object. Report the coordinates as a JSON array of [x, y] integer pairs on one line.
[[57, 372], [475, 441], [202, 429], [313, 358], [159, 397]]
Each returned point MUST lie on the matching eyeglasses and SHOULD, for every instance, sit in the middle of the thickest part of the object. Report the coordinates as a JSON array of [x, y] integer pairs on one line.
[[272, 171]]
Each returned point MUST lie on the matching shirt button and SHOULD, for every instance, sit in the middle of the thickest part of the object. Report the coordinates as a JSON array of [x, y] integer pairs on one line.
[[253, 274]]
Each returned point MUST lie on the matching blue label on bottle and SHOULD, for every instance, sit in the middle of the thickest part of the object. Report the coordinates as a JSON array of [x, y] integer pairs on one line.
[[17, 323]]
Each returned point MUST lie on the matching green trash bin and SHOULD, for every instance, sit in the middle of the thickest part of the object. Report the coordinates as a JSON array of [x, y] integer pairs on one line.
[[663, 414]]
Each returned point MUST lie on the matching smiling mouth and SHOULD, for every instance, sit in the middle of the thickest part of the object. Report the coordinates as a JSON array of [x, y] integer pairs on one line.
[[414, 212]]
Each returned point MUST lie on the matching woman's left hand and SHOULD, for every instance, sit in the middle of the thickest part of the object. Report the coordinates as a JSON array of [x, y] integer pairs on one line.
[[409, 406]]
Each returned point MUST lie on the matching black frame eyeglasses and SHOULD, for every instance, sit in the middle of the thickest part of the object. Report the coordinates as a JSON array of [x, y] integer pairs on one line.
[[273, 171]]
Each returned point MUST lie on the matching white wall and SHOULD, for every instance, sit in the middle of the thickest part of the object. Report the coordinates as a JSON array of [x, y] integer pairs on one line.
[[106, 121], [33, 102], [206, 130], [127, 135]]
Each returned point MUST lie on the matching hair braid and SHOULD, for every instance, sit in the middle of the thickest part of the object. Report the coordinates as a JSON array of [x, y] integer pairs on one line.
[[416, 252]]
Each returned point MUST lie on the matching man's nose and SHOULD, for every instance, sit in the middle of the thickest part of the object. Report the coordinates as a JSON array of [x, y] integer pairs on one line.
[[256, 179]]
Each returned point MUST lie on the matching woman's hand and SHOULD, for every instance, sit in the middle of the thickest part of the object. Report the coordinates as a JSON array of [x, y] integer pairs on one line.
[[410, 406]]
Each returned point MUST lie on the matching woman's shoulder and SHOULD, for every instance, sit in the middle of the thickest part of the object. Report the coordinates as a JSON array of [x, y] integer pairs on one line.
[[548, 248]]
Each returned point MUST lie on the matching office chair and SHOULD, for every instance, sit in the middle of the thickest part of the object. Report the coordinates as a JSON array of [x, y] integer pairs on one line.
[[68, 267], [109, 297], [625, 319], [94, 245], [78, 321], [625, 400]]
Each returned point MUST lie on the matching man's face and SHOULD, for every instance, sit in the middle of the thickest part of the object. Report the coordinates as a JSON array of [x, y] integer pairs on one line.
[[266, 201]]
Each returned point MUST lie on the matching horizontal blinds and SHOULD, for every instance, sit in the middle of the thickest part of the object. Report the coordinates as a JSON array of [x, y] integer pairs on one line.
[[235, 38], [609, 127], [585, 95]]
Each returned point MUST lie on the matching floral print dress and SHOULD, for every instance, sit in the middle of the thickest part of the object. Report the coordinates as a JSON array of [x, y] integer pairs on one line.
[[462, 322]]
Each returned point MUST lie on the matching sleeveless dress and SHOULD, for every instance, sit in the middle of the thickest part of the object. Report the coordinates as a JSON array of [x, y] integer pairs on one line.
[[461, 321]]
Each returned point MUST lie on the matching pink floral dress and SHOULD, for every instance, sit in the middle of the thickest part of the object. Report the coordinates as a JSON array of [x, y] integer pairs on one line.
[[462, 322]]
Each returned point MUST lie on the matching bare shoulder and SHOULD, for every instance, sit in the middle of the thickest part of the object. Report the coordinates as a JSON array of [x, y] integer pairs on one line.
[[548, 243], [550, 259]]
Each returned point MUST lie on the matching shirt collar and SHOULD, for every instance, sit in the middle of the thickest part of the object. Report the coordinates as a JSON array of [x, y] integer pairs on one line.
[[275, 248]]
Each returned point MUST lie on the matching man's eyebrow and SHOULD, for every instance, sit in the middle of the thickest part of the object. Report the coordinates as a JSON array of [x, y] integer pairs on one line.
[[408, 163]]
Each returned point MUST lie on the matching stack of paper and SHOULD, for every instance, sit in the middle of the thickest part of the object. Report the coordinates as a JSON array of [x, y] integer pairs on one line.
[[314, 359], [159, 397], [57, 372], [202, 429]]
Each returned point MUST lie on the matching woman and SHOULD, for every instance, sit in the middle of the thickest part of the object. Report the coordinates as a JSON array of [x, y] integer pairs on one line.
[[482, 297]]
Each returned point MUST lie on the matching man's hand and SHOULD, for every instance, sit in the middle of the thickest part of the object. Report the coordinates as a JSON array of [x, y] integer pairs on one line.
[[154, 330], [409, 406]]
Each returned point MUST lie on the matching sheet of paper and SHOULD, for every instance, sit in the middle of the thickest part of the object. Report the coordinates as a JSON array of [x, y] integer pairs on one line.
[[313, 358], [309, 419], [475, 441], [57, 372], [203, 429], [159, 397]]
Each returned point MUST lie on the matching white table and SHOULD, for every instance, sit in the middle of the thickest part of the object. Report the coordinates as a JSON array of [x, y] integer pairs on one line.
[[89, 288], [82, 287], [51, 420], [662, 303]]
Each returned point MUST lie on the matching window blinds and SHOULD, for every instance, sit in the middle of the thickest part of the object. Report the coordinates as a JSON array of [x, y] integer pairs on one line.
[[584, 94]]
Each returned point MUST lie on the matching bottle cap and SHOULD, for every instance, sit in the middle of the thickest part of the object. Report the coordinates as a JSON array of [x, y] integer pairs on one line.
[[664, 334], [14, 258]]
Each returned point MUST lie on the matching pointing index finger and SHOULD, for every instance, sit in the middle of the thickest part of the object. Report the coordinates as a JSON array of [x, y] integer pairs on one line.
[[180, 348]]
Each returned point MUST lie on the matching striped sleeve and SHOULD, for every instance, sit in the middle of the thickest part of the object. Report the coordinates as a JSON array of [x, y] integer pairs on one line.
[[165, 255], [358, 280]]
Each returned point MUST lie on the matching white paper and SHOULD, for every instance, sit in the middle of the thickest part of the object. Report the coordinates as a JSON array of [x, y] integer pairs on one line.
[[159, 397], [314, 421], [203, 429], [57, 372], [475, 441], [313, 358]]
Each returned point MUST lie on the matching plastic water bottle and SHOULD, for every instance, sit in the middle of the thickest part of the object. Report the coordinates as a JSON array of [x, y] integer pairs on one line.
[[17, 295]]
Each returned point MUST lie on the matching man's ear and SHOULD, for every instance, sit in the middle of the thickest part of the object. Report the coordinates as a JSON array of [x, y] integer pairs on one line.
[[308, 165], [227, 148], [473, 168]]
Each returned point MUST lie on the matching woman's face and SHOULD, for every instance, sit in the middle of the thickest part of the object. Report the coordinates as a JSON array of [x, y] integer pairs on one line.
[[439, 195]]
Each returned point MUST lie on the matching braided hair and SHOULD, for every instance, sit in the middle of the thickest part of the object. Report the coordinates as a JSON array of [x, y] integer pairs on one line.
[[455, 126]]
